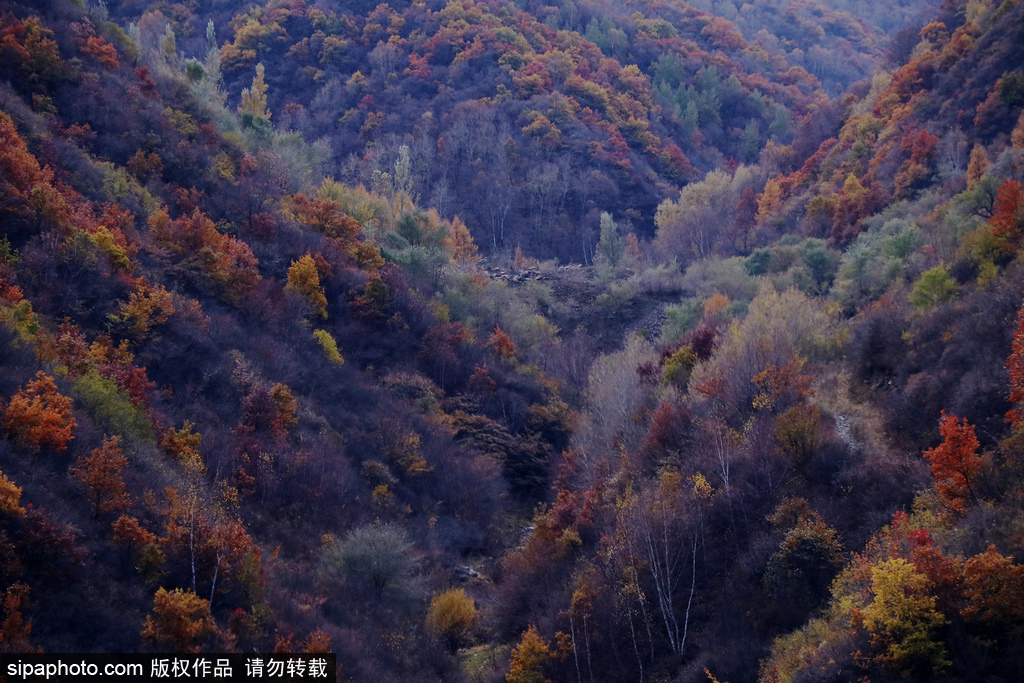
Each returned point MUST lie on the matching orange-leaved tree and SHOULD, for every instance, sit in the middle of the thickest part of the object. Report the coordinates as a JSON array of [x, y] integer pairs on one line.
[[228, 262], [502, 344], [180, 621], [100, 472], [325, 215], [460, 243], [955, 461], [128, 532], [994, 588], [38, 416], [147, 307], [977, 165], [143, 549], [528, 659]]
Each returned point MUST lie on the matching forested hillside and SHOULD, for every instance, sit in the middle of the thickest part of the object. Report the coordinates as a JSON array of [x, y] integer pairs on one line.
[[516, 341]]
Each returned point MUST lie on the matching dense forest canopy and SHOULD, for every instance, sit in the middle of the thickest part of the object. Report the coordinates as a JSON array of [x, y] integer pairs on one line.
[[516, 341]]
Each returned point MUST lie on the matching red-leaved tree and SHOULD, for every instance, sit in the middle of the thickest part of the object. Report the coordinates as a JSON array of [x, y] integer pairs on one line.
[[955, 461], [1015, 367], [1008, 215]]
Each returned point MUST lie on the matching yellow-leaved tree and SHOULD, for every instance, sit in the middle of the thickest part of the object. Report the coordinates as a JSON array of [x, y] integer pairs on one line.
[[254, 99], [903, 620], [10, 497], [452, 616], [304, 280]]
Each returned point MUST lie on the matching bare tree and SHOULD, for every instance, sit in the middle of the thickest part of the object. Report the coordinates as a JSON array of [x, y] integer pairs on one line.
[[952, 153], [381, 555], [615, 395], [384, 58], [499, 199], [667, 523]]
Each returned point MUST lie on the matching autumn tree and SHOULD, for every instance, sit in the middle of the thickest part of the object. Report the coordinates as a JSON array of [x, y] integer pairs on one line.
[[14, 631], [143, 551], [459, 243], [616, 394], [367, 255], [272, 408], [677, 365], [38, 416], [716, 306], [330, 346], [800, 572], [374, 300], [99, 49], [324, 215], [128, 531], [235, 559], [183, 445], [253, 108], [769, 201], [797, 430], [287, 406], [955, 461], [903, 621], [978, 164], [1017, 136], [100, 473], [443, 350], [914, 172], [850, 208], [1007, 222], [528, 659], [692, 226], [664, 526], [781, 387], [318, 641], [452, 615], [28, 47], [1015, 368], [10, 497], [187, 528], [994, 588], [502, 344], [147, 307], [180, 621], [775, 328], [228, 262], [933, 287], [304, 281], [205, 543]]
